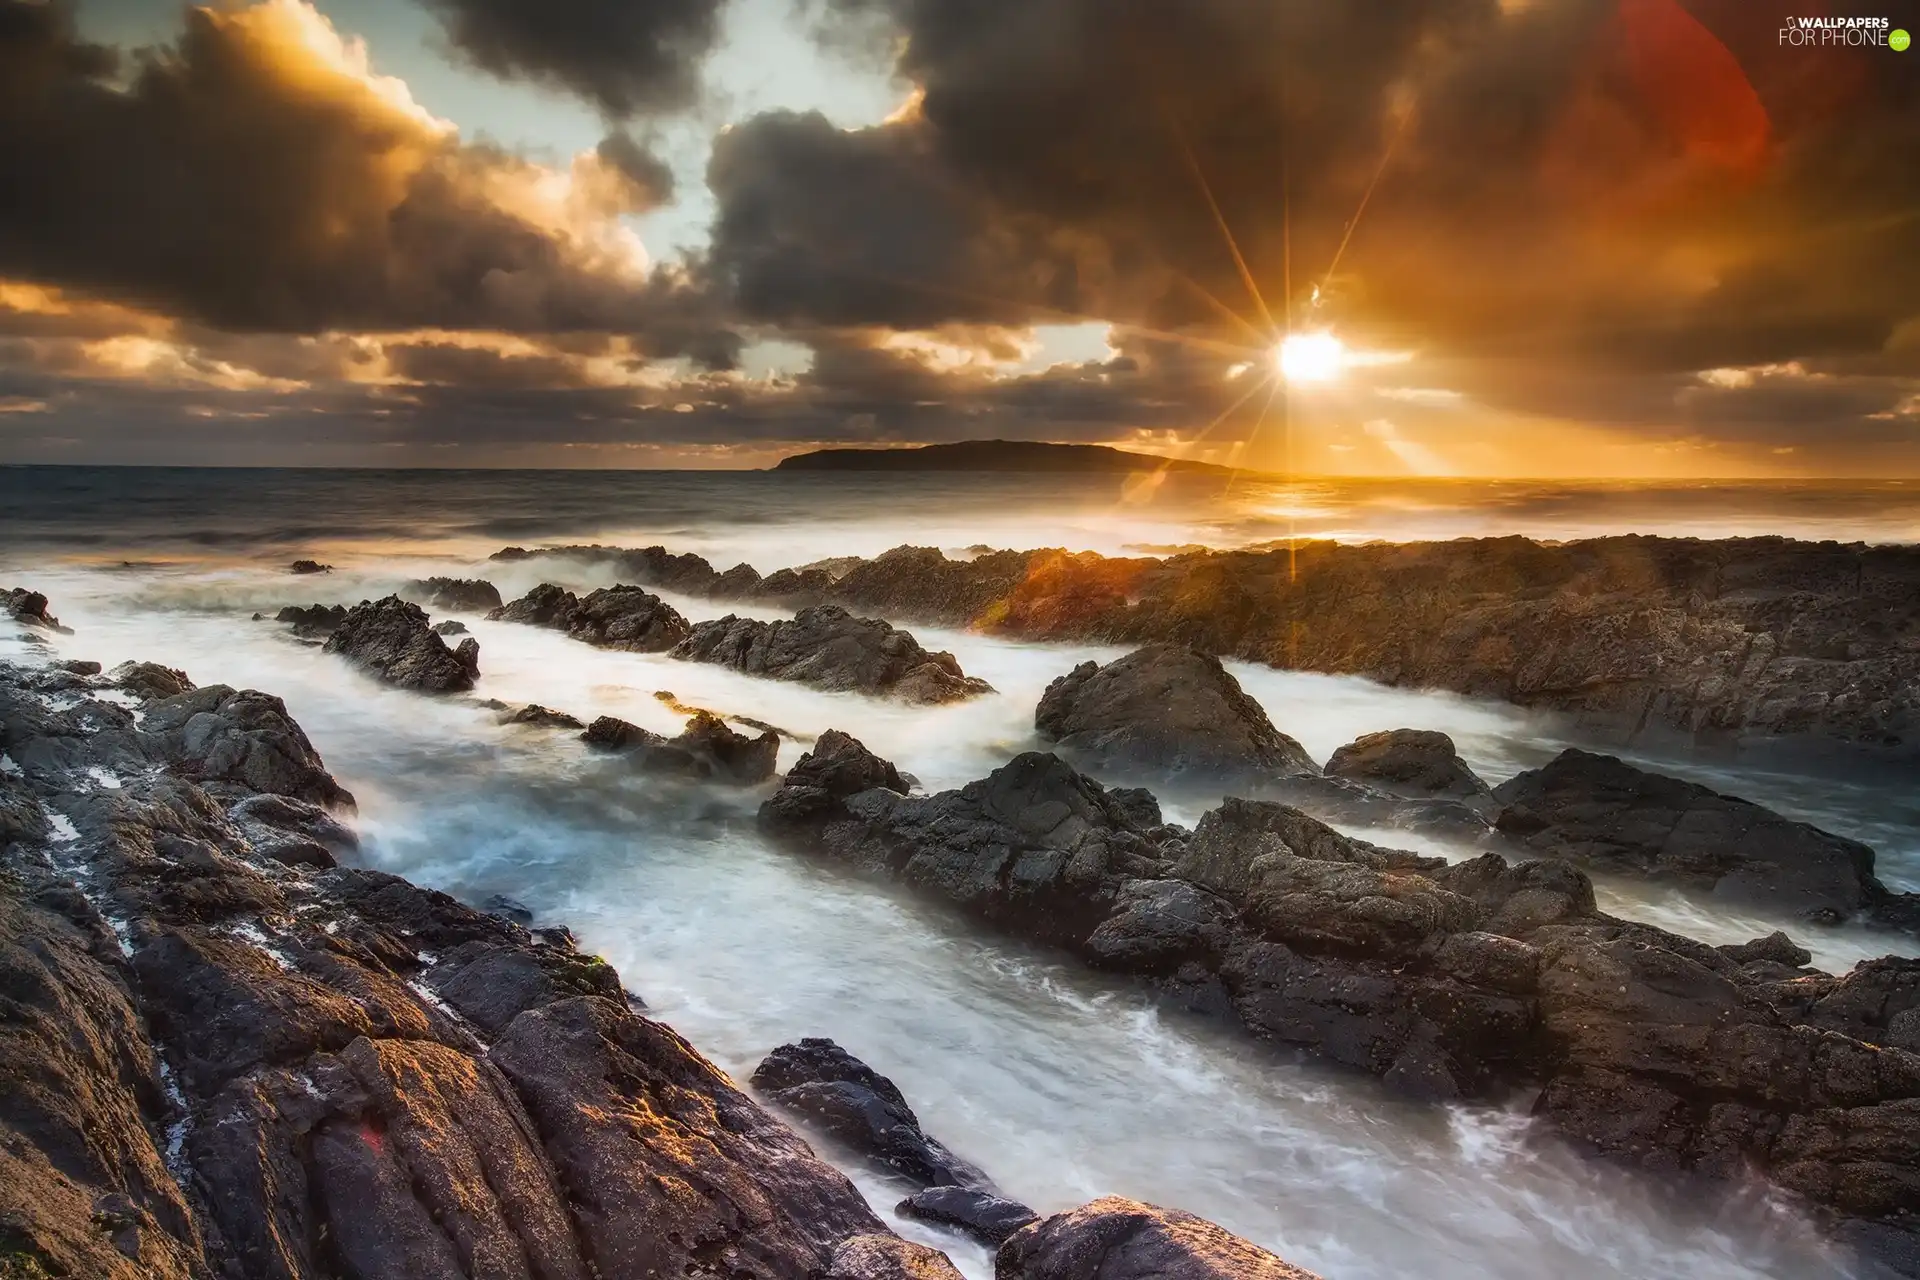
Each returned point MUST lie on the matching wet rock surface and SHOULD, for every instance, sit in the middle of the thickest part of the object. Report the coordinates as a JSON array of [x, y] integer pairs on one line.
[[463, 595], [708, 749], [313, 622], [219, 1060], [1727, 646], [392, 640], [30, 609], [1420, 763], [1167, 711], [1607, 815], [829, 648], [1447, 981], [628, 618], [1119, 1239]]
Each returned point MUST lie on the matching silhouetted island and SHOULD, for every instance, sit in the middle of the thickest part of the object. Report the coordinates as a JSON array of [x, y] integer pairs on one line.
[[995, 455]]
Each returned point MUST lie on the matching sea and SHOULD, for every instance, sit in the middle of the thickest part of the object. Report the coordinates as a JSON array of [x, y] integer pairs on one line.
[[1062, 1083]]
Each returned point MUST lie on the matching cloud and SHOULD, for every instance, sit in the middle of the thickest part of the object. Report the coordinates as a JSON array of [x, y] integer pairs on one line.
[[259, 176], [628, 57]]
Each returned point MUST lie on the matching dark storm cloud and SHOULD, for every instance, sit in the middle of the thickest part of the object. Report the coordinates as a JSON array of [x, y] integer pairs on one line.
[[252, 179], [628, 57], [648, 179], [1631, 185]]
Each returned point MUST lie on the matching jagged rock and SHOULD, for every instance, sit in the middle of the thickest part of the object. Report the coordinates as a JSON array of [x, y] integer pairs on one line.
[[838, 766], [986, 1217], [1412, 762], [1165, 711], [1120, 1239], [627, 618], [1607, 815], [1775, 948], [30, 608], [391, 639], [829, 648], [464, 595], [216, 736], [451, 627], [542, 718], [314, 621], [1724, 645], [353, 1076], [146, 680], [293, 831], [307, 567], [861, 1109], [889, 1258], [707, 749]]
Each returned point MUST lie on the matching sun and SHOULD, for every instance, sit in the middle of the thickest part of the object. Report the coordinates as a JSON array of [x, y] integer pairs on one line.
[[1311, 357]]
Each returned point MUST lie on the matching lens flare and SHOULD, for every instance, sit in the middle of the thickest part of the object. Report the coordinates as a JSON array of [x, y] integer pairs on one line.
[[1311, 357]]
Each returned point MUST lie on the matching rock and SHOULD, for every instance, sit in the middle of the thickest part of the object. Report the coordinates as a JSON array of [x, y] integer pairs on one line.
[[353, 1076], [1608, 816], [829, 648], [540, 717], [1724, 646], [79, 667], [1165, 711], [463, 595], [391, 640], [889, 1258], [294, 831], [1120, 1239], [225, 740], [307, 567], [839, 766], [146, 680], [451, 627], [627, 618], [862, 1110], [1775, 948], [30, 608], [1412, 762], [986, 1217], [315, 621], [707, 749]]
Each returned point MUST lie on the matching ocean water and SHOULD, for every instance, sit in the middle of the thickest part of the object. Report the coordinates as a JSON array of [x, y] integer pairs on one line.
[[1063, 1084]]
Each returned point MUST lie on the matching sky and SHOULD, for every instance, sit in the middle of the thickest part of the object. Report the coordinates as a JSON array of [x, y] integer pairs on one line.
[[1568, 238]]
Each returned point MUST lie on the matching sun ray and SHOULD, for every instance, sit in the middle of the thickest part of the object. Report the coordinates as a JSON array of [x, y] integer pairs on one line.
[[1219, 218]]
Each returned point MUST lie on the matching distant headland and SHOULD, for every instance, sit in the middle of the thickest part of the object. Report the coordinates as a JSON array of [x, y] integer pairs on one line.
[[996, 455]]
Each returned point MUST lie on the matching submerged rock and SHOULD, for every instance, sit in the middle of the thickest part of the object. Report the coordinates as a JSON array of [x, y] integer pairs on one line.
[[306, 568], [1120, 1239], [451, 627], [829, 648], [708, 749], [222, 1062], [464, 595], [986, 1217], [540, 717], [627, 618], [391, 640], [1165, 711], [1609, 816]]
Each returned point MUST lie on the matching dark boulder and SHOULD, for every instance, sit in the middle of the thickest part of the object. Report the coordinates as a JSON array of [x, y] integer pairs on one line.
[[304, 568], [391, 640], [889, 1258], [708, 749], [986, 1217], [539, 717], [463, 595], [451, 627], [862, 1110], [1165, 711], [146, 680], [829, 648], [1420, 763], [1119, 1239], [626, 618], [313, 621], [225, 740], [1611, 817], [30, 608]]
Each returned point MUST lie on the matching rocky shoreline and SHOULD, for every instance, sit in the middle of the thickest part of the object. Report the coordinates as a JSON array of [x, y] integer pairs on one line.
[[1734, 646], [226, 1054]]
